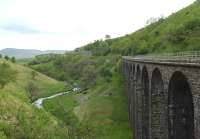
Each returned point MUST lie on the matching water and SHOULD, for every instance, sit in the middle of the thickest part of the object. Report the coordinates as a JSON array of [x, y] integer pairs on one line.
[[38, 103]]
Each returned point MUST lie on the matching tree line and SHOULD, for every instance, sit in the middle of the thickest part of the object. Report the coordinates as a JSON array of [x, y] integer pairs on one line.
[[12, 59]]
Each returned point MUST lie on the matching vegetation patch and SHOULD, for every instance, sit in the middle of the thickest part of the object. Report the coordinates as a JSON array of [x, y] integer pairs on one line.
[[18, 118]]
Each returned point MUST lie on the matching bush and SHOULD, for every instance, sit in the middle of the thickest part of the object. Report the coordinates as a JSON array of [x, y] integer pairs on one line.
[[192, 25], [180, 34], [6, 57], [32, 90], [177, 36], [7, 74], [33, 75], [13, 60]]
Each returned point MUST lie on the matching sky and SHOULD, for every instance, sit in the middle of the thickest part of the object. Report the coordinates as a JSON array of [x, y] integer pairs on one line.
[[68, 24]]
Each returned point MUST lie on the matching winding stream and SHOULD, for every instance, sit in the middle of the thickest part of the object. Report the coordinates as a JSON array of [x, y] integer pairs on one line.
[[38, 103]]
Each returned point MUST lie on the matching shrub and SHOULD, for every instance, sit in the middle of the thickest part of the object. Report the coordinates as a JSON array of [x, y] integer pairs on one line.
[[6, 57], [192, 25], [33, 74], [32, 90], [13, 60], [7, 74]]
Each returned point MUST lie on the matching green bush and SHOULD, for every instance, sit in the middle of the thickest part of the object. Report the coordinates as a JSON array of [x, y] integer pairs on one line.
[[13, 60], [32, 90], [6, 57], [7, 74]]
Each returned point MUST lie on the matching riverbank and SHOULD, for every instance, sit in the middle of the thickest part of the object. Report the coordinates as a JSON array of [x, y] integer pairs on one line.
[[39, 102]]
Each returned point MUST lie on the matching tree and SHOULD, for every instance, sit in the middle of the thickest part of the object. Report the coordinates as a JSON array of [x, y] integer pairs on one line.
[[6, 57], [89, 75], [0, 55], [106, 73], [33, 74], [154, 20], [107, 37], [7, 74], [32, 90], [13, 60]]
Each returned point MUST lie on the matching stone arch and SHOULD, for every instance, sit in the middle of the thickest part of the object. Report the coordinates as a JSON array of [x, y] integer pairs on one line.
[[138, 74], [127, 69], [127, 84], [181, 109], [146, 104], [131, 95], [158, 106], [138, 103]]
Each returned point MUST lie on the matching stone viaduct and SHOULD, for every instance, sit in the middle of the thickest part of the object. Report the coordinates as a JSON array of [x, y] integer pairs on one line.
[[163, 97]]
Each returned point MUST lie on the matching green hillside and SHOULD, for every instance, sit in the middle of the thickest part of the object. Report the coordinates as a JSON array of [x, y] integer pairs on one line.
[[18, 118], [101, 106], [178, 32]]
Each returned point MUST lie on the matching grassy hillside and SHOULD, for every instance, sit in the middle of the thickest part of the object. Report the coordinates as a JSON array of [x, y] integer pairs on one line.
[[101, 107], [178, 32], [18, 118], [44, 85]]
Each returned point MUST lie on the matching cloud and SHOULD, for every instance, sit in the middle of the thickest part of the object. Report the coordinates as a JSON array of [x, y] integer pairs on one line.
[[19, 28]]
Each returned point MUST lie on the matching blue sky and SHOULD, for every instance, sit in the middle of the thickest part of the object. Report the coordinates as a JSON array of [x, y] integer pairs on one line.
[[68, 24]]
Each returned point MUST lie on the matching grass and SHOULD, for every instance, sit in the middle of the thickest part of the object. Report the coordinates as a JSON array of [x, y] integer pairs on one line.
[[18, 118], [60, 106], [46, 86], [101, 109], [23, 61]]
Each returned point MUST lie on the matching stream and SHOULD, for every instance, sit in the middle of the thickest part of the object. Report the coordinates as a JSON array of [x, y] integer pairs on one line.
[[38, 103]]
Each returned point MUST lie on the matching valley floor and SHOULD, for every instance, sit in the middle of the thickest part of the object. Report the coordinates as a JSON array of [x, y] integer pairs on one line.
[[98, 113]]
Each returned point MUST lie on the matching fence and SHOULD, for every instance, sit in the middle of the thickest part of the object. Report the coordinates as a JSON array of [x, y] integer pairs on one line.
[[186, 56]]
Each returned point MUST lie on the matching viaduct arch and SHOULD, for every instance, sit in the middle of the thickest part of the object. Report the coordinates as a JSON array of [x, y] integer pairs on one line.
[[158, 106], [146, 103], [181, 109], [164, 98]]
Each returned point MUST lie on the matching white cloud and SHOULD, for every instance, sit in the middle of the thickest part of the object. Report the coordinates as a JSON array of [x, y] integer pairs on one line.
[[67, 24]]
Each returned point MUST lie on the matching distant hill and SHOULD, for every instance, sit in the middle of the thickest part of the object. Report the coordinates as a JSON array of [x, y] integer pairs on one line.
[[27, 53]]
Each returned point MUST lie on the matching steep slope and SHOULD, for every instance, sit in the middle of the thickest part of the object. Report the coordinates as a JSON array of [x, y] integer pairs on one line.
[[178, 32], [18, 118]]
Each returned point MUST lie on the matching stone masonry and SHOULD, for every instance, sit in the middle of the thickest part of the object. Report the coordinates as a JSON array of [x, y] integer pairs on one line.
[[163, 98]]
